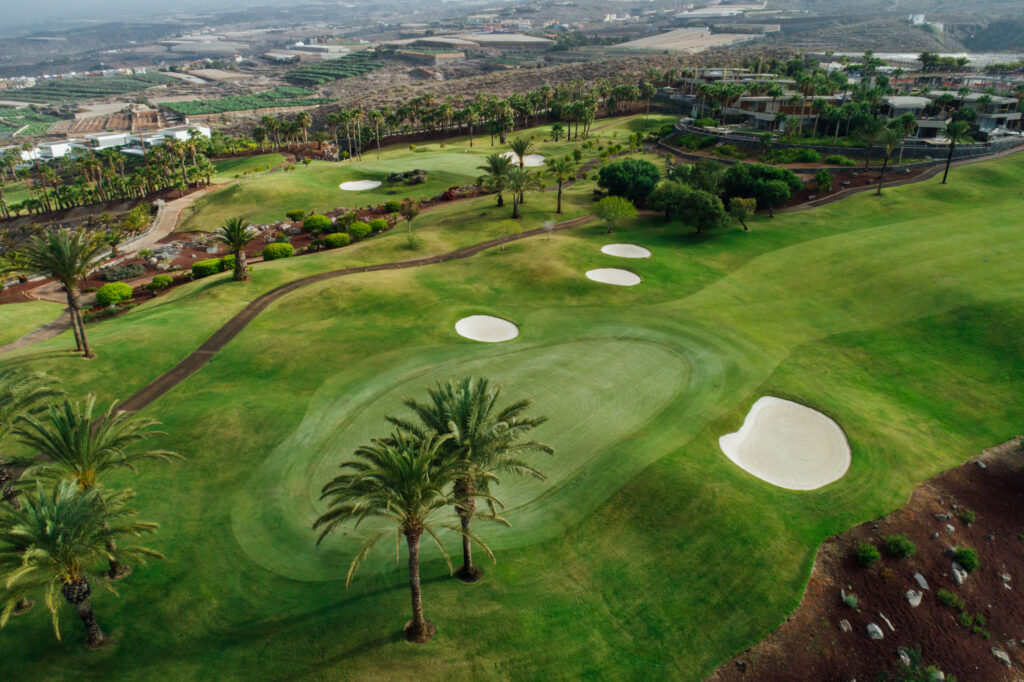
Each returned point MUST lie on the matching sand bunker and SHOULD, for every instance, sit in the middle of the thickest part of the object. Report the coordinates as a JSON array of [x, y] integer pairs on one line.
[[789, 445], [531, 160], [623, 278], [486, 328], [359, 185], [625, 251]]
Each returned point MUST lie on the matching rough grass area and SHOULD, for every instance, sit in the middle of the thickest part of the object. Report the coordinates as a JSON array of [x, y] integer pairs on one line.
[[648, 554], [18, 319], [229, 169]]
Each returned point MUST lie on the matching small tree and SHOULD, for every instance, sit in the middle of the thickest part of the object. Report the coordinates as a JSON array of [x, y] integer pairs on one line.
[[772, 192], [562, 170], [237, 234], [956, 132], [613, 209], [505, 229], [633, 179], [668, 197], [742, 209], [409, 210], [703, 209], [549, 227]]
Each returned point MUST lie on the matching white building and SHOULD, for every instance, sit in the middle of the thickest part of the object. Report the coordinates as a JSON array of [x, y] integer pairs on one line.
[[55, 150], [26, 155], [106, 140]]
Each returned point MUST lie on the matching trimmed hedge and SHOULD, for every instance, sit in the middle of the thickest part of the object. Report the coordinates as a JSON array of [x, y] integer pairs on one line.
[[333, 241], [113, 293], [316, 223], [160, 282], [275, 251], [211, 266], [358, 229]]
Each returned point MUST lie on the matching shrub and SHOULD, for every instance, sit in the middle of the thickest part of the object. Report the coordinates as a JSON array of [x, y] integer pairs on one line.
[[145, 254], [378, 225], [695, 142], [113, 293], [633, 179], [116, 273], [275, 251], [947, 598], [840, 160], [793, 155], [296, 215], [392, 206], [851, 600], [160, 282], [227, 262], [205, 268], [866, 554], [316, 223], [333, 241], [900, 546], [968, 516], [966, 557], [358, 230], [706, 122], [282, 238], [730, 151]]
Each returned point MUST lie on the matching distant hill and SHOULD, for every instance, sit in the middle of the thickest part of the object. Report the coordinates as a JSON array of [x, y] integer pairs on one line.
[[996, 37]]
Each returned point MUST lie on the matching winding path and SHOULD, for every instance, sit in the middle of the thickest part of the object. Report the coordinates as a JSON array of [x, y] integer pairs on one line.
[[220, 338]]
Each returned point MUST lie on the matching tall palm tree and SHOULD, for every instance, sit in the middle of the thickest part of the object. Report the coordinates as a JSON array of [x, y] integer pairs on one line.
[[304, 120], [519, 181], [956, 132], [68, 257], [521, 147], [891, 138], [237, 234], [487, 438], [495, 168], [82, 447], [404, 480], [51, 540], [562, 170]]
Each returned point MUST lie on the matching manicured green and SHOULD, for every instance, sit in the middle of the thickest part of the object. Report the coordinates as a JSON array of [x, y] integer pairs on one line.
[[18, 319], [228, 169], [647, 554]]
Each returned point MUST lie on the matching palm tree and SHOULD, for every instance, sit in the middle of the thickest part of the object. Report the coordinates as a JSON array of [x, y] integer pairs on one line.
[[375, 118], [562, 170], [870, 133], [21, 394], [51, 540], [81, 447], [237, 234], [891, 138], [68, 257], [957, 131], [495, 168], [521, 147], [304, 120], [481, 435], [519, 181], [403, 480]]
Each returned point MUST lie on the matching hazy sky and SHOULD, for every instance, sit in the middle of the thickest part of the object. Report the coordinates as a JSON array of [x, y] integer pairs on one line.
[[53, 14]]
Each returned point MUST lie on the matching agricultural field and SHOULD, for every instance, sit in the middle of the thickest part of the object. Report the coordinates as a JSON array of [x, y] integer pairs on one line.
[[79, 89], [355, 64], [269, 99], [646, 554], [25, 120]]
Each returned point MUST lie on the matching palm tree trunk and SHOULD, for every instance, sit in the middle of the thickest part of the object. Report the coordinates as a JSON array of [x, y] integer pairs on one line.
[[74, 324], [117, 569], [881, 177], [241, 266], [76, 316], [77, 594], [501, 200], [949, 160], [417, 630], [466, 507], [515, 211], [559, 210]]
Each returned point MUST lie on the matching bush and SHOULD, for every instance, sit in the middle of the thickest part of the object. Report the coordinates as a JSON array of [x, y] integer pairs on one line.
[[866, 554], [333, 241], [965, 556], [205, 268], [392, 207], [793, 155], [113, 293], [840, 160], [968, 516], [275, 251], [706, 122], [947, 598], [695, 142], [851, 600], [160, 282], [316, 223], [295, 216], [730, 151], [116, 273], [378, 225], [282, 238], [358, 230], [899, 546]]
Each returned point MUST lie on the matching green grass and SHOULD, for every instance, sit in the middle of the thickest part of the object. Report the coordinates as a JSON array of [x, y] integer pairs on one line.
[[16, 192], [268, 197], [228, 169], [647, 554], [18, 319]]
